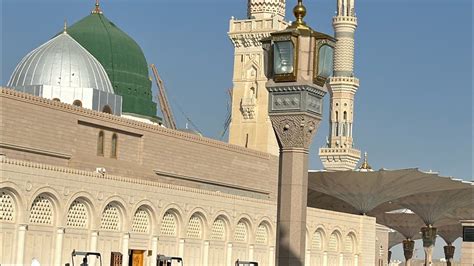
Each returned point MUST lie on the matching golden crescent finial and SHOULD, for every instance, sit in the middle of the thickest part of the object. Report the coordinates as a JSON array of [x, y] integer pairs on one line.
[[365, 165]]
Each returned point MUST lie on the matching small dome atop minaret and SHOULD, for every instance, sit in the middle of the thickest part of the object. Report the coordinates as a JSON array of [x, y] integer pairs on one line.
[[365, 167], [265, 8]]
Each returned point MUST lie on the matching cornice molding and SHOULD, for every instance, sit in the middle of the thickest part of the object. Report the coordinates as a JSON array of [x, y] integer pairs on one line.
[[33, 165]]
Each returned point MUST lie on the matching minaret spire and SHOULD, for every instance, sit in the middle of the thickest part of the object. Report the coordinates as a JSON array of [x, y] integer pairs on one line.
[[97, 9], [340, 153]]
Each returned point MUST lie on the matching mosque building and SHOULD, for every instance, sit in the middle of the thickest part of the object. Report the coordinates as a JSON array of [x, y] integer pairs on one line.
[[83, 170]]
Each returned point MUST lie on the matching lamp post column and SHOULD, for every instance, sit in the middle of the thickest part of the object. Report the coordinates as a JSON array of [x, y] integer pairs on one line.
[[294, 134], [298, 63]]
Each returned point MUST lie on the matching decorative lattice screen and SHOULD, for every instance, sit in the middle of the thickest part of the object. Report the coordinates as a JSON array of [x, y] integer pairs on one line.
[[41, 211]]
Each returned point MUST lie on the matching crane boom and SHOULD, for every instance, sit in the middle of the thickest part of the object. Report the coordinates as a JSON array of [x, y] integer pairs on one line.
[[164, 104]]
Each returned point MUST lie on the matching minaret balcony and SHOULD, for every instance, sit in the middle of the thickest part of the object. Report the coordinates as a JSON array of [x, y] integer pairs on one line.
[[351, 19], [339, 151], [256, 25]]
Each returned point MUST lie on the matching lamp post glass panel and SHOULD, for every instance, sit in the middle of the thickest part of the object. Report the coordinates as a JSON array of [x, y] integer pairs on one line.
[[283, 57], [325, 61]]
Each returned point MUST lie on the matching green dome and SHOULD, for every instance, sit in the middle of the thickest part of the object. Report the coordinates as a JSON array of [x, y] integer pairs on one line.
[[122, 59]]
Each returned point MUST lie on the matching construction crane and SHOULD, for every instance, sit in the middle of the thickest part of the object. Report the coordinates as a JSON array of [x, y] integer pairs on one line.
[[228, 118], [164, 104]]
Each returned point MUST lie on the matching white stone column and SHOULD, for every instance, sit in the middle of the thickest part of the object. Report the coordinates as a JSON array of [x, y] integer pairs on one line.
[[181, 248], [251, 252], [367, 244], [307, 260], [154, 250], [20, 249], [125, 241], [467, 248], [229, 254], [205, 257], [341, 259], [356, 260], [58, 249], [325, 259], [93, 246], [271, 258]]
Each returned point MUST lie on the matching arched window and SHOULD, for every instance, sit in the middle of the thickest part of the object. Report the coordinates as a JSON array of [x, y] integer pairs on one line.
[[100, 144], [240, 233], [113, 152], [345, 115], [110, 219], [41, 211], [141, 221], [337, 116], [218, 230], [317, 242], [194, 227], [169, 225], [77, 215], [261, 236], [77, 103], [7, 205], [107, 109]]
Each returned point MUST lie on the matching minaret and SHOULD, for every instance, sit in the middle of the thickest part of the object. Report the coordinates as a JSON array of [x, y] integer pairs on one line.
[[250, 125], [340, 153]]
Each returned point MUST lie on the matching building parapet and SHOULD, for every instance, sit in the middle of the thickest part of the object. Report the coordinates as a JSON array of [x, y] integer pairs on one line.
[[16, 95]]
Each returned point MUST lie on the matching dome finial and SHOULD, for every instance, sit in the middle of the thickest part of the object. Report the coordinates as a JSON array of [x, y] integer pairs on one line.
[[65, 26], [365, 165], [299, 11], [97, 9]]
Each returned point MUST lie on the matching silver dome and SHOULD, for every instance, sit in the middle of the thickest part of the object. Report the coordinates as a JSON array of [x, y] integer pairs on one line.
[[62, 62]]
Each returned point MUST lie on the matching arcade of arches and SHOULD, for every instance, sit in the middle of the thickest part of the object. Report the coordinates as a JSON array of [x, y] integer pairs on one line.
[[176, 222]]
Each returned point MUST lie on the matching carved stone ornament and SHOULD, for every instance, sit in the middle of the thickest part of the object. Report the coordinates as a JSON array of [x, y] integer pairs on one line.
[[295, 130], [248, 39], [247, 107]]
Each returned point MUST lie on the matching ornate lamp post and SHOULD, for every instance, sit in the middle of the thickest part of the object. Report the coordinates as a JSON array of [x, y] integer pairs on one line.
[[298, 62]]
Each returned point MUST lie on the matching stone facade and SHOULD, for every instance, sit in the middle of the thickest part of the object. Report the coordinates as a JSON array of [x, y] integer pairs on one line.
[[164, 192]]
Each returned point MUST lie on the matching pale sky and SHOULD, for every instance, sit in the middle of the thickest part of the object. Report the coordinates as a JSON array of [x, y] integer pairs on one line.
[[413, 59]]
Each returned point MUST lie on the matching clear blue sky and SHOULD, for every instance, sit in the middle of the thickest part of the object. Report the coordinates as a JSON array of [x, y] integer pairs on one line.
[[413, 58]]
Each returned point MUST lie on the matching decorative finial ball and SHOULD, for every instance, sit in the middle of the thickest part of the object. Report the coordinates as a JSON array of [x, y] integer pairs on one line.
[[299, 10]]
